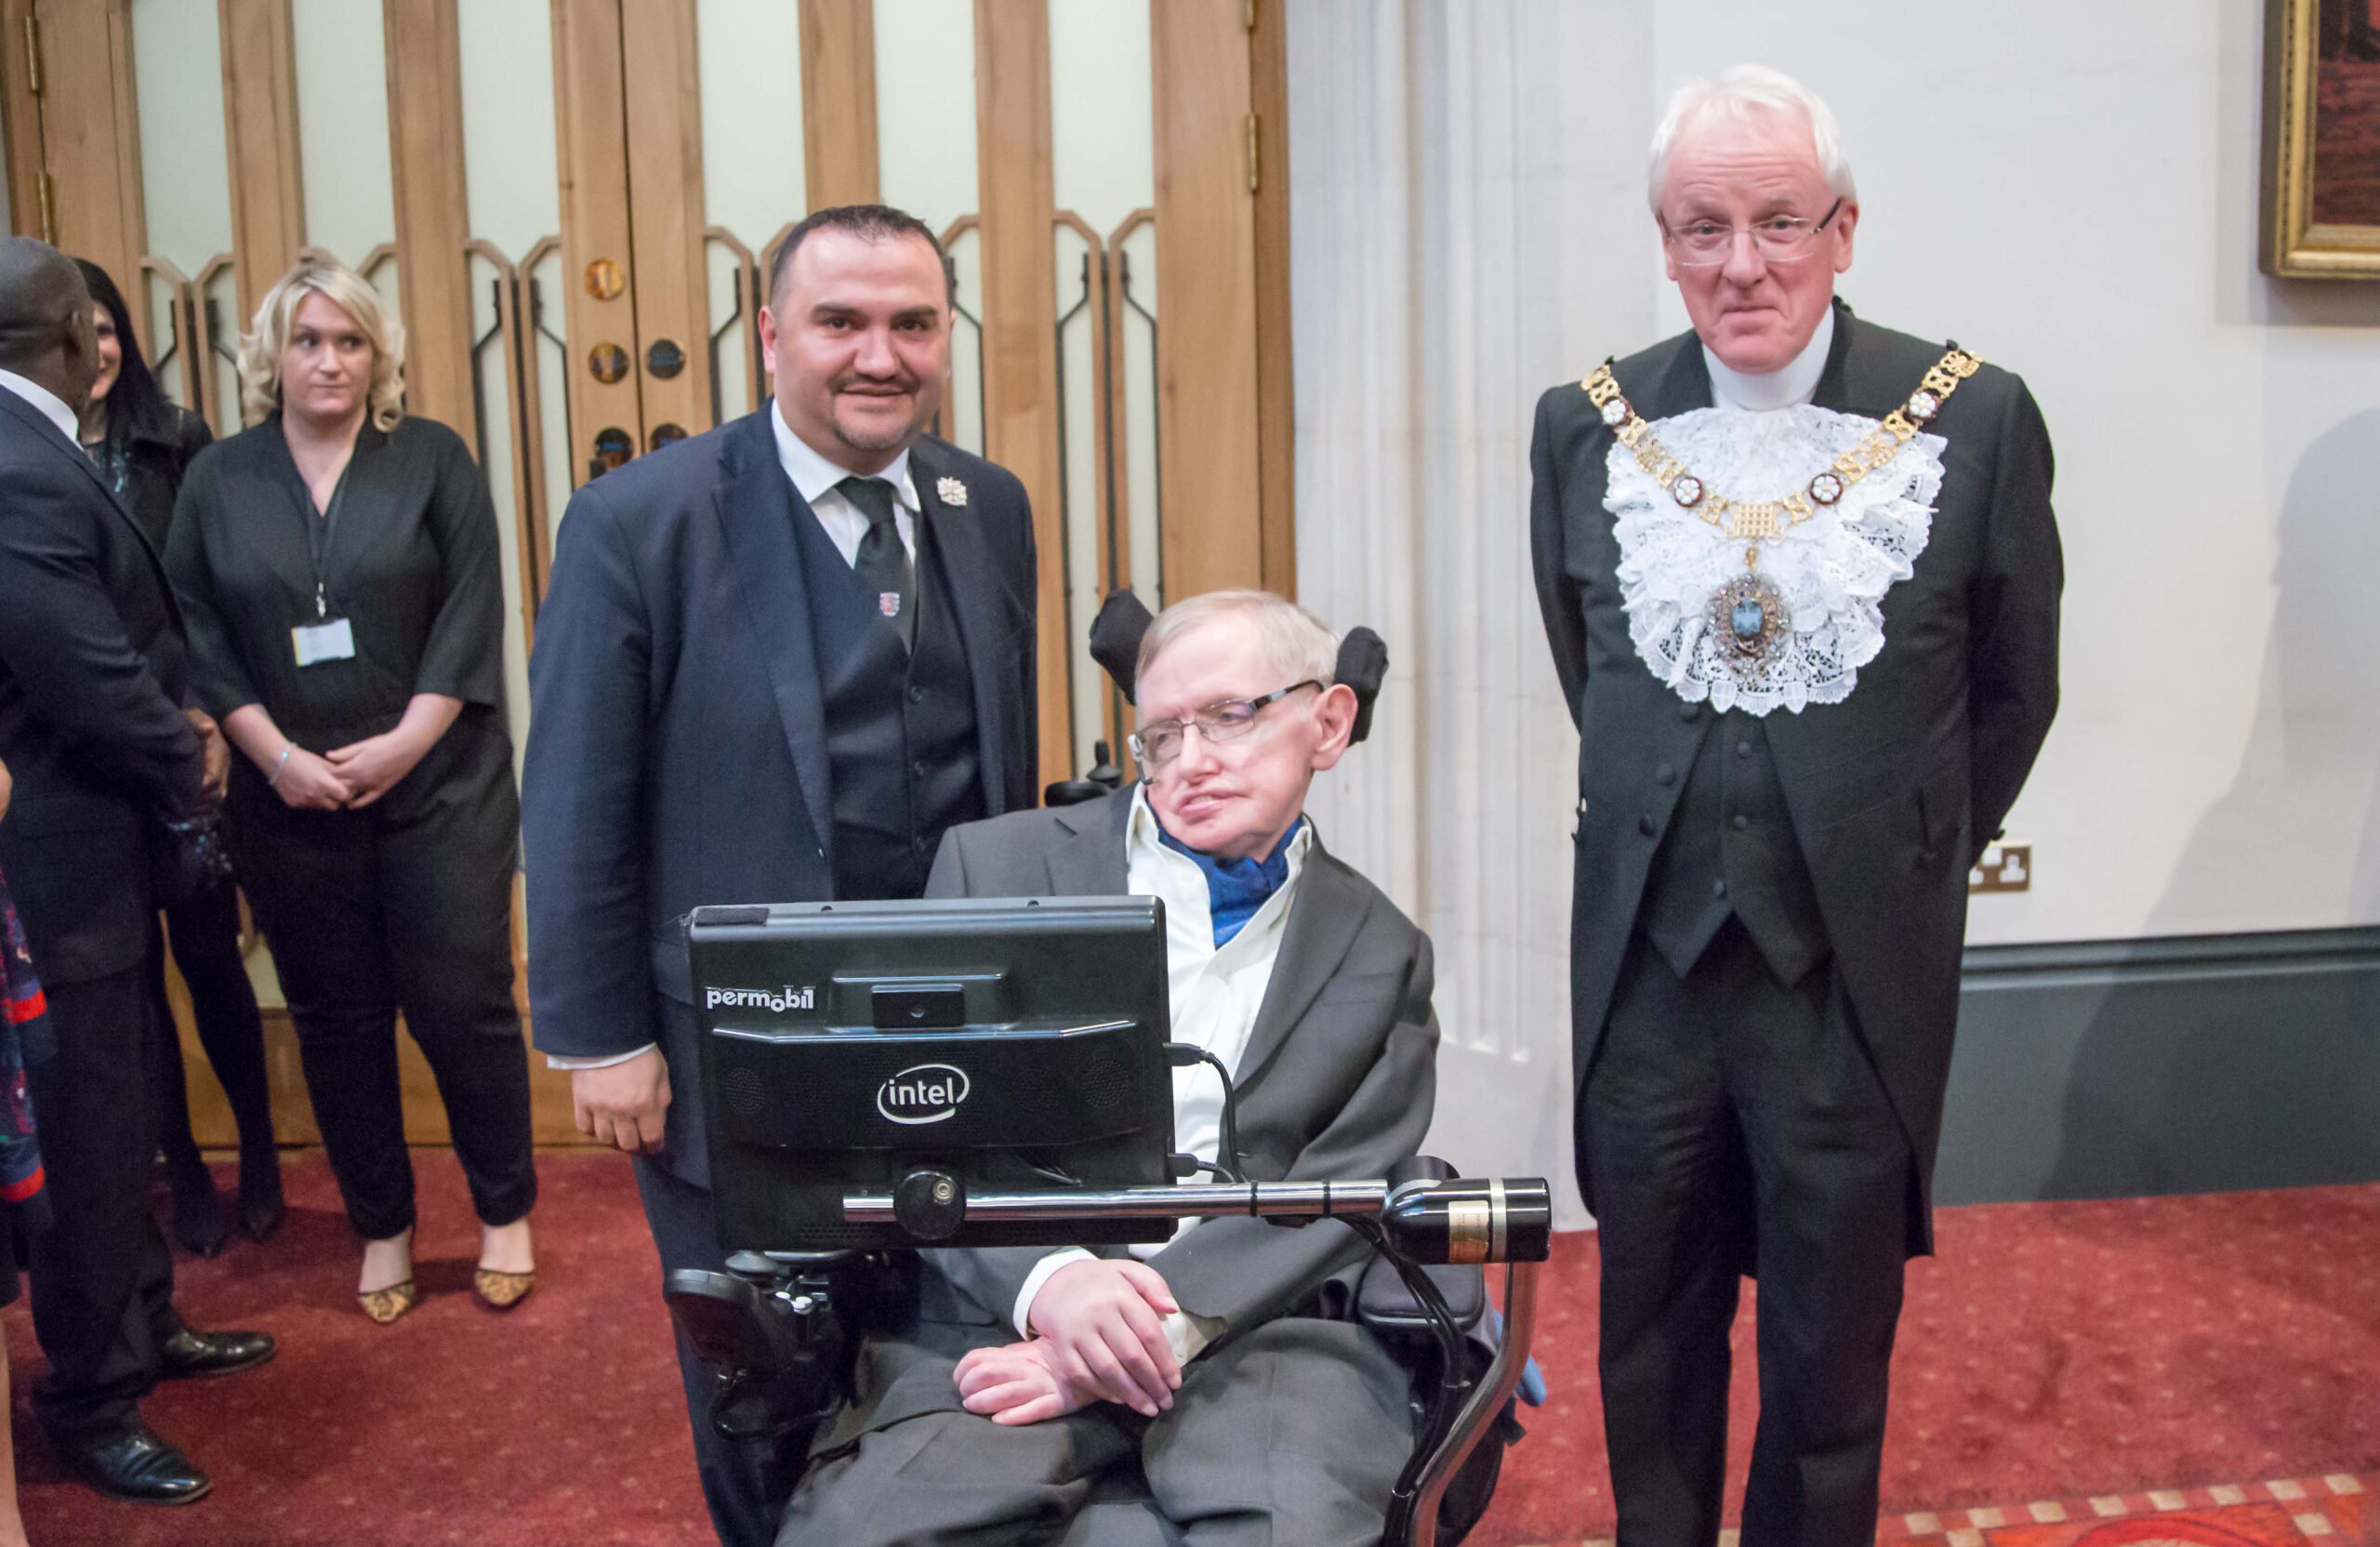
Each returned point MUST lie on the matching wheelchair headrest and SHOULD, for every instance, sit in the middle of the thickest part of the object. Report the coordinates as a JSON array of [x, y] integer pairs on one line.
[[1124, 619]]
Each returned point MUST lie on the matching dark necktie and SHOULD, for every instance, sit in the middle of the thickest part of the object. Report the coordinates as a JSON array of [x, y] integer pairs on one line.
[[881, 562]]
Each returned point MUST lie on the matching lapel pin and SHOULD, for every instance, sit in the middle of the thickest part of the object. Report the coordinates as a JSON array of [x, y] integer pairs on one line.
[[951, 491]]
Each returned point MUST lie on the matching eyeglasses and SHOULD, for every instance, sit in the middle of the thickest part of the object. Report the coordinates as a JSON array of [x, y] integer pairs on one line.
[[1158, 742], [1778, 239]]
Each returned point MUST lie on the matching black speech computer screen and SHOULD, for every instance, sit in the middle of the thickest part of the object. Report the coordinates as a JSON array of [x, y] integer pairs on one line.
[[1018, 1044]]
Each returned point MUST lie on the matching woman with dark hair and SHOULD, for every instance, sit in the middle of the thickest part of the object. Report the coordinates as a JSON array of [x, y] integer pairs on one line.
[[143, 444]]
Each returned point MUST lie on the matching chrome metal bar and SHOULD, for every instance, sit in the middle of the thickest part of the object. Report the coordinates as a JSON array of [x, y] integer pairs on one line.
[[1205, 1199], [1494, 1390]]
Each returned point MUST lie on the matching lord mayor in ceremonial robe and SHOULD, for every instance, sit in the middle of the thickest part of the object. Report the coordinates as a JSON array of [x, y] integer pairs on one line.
[[1801, 578]]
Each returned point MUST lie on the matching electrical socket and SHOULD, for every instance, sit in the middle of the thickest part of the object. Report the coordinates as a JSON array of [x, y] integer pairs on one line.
[[2004, 867]]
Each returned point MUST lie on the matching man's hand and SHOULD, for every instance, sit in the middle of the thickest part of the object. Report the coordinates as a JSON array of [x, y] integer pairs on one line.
[[309, 783], [1101, 1319], [8, 786], [371, 767], [621, 1105], [215, 750], [1018, 1384]]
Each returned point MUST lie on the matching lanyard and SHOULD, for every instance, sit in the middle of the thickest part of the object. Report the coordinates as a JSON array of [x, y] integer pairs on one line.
[[320, 528]]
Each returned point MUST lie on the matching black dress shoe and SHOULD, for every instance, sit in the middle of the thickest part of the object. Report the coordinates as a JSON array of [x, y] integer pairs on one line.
[[134, 1465], [189, 1354]]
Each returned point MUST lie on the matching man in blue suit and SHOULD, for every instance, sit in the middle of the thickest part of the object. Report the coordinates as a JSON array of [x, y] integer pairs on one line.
[[775, 663]]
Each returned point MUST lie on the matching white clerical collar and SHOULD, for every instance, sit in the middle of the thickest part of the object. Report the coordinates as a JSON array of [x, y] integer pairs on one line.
[[52, 406], [1795, 382], [813, 474]]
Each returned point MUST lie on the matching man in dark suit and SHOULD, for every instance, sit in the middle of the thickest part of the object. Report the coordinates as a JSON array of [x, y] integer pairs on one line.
[[94, 728], [1199, 1373], [1801, 578], [776, 662]]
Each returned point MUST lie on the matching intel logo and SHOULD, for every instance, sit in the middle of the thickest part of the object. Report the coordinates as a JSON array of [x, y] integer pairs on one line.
[[926, 1094]]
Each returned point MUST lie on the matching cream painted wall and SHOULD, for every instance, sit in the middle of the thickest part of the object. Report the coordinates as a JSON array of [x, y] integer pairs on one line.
[[511, 201], [1102, 166], [925, 107], [177, 86], [508, 154], [342, 69], [751, 56], [2071, 190], [185, 171]]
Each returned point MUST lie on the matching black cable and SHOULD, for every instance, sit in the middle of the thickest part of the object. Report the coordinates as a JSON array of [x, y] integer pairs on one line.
[[1454, 1385], [1182, 1055]]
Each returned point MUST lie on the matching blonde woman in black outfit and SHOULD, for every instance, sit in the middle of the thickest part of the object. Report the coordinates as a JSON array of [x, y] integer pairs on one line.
[[338, 567]]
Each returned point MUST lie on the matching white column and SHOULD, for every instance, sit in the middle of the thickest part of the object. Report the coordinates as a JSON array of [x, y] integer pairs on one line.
[[1467, 228]]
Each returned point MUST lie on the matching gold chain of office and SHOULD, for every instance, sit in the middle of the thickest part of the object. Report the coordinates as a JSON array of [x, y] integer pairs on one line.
[[1752, 521]]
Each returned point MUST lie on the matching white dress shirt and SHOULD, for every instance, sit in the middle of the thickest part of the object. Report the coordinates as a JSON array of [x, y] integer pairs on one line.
[[1215, 993], [1794, 382], [815, 478], [52, 406]]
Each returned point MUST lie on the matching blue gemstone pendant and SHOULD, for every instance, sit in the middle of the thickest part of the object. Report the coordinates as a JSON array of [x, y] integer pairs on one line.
[[1750, 622]]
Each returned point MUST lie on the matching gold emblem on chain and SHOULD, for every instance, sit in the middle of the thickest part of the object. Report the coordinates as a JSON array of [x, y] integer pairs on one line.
[[1749, 615]]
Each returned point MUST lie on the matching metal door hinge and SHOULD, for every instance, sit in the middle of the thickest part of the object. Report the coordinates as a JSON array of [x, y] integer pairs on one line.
[[49, 208], [1247, 15], [33, 55], [1253, 150]]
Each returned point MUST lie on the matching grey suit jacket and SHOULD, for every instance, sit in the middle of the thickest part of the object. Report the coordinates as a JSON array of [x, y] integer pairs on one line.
[[1338, 1078]]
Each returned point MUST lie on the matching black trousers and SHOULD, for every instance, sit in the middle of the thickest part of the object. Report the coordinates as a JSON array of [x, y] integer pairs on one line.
[[102, 1279], [406, 904], [745, 1485], [204, 933], [1731, 1123]]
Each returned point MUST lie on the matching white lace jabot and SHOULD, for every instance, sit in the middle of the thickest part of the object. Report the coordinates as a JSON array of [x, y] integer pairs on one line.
[[1833, 569]]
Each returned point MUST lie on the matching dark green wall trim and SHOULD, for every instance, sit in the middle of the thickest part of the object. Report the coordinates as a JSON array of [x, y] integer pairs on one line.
[[2173, 1064]]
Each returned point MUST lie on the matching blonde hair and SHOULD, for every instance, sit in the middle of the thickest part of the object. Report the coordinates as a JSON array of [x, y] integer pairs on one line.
[[261, 348], [1738, 96], [1299, 644]]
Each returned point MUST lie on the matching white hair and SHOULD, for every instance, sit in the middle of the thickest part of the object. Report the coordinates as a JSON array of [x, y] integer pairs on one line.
[[1298, 644], [1742, 95]]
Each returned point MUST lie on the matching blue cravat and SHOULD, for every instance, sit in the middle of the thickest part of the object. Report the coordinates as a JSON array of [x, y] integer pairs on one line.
[[1236, 888]]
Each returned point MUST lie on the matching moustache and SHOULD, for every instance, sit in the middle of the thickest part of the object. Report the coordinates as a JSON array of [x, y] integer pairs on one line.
[[901, 381]]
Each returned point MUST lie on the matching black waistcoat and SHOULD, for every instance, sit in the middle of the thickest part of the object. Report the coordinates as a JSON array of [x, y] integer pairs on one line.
[[902, 751], [1731, 850]]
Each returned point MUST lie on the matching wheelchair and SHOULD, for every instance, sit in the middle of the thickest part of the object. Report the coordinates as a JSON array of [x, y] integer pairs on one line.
[[781, 1330]]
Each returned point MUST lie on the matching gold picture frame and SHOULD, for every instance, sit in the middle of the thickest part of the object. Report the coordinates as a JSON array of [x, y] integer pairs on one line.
[[2322, 140]]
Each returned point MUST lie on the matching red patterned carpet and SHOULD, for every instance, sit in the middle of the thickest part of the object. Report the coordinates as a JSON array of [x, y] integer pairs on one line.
[[2202, 1372]]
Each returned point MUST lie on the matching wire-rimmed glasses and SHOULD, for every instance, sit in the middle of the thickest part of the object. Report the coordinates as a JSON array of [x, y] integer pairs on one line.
[[1158, 742], [1704, 243]]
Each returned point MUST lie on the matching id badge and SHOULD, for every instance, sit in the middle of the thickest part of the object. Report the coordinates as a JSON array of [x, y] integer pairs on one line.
[[331, 639]]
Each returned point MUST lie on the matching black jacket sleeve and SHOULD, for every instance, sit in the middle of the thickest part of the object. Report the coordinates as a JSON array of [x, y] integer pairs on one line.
[[464, 655], [1557, 594], [583, 796], [2012, 692], [218, 675], [66, 646]]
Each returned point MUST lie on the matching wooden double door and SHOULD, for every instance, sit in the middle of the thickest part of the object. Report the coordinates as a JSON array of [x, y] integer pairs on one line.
[[571, 206]]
